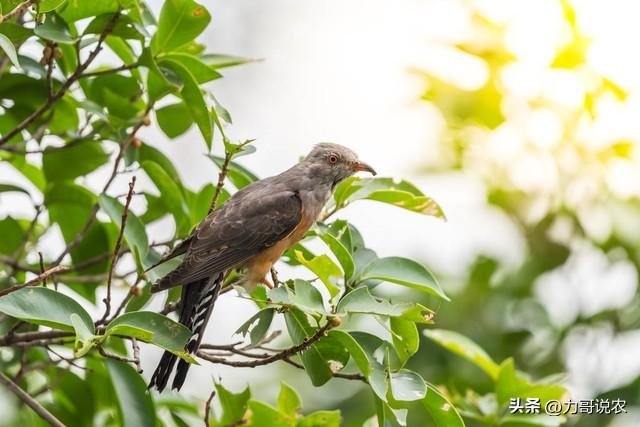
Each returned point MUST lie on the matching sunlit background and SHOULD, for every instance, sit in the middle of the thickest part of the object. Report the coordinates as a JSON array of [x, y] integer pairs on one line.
[[521, 118]]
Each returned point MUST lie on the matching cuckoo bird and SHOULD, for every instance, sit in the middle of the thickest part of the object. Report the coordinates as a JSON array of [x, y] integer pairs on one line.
[[250, 231]]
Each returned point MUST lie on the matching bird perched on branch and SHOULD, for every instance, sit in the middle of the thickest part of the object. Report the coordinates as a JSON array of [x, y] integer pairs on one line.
[[249, 231]]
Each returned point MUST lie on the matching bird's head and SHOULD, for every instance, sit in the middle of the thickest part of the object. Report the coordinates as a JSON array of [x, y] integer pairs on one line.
[[335, 162]]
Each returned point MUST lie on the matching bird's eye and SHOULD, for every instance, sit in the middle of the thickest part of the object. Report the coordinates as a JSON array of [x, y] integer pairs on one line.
[[333, 159]]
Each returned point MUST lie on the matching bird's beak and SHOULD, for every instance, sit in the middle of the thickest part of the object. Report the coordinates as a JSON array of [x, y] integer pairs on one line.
[[363, 167]]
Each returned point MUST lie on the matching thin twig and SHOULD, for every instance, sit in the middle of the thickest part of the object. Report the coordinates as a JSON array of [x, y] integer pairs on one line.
[[12, 339], [207, 407], [111, 70], [224, 170], [30, 401], [65, 86], [11, 262], [20, 9], [286, 353], [36, 280], [116, 250], [51, 47], [42, 270], [356, 377], [136, 354], [105, 353]]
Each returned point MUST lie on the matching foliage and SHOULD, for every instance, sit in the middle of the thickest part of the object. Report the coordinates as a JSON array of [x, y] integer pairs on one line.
[[537, 133], [62, 119]]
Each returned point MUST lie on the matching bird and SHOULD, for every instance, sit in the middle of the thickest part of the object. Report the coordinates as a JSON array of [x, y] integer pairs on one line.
[[249, 232]]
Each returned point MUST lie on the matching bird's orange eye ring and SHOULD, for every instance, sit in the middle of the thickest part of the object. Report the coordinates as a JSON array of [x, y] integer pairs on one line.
[[333, 159]]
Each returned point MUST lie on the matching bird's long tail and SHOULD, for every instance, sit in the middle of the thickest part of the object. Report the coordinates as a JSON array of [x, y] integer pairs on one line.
[[196, 303]]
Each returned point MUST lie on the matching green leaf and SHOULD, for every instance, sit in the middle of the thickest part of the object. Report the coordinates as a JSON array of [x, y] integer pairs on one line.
[[171, 194], [216, 60], [406, 385], [264, 318], [17, 34], [174, 119], [193, 98], [321, 419], [135, 407], [43, 306], [288, 400], [134, 231], [239, 176], [356, 352], [147, 152], [405, 272], [360, 300], [442, 411], [9, 49], [55, 30], [341, 252], [201, 72], [265, 415], [464, 347], [323, 267], [314, 364], [234, 405], [153, 328], [125, 27], [511, 384], [49, 5], [303, 296], [402, 194], [180, 22], [85, 339], [405, 337], [12, 235], [76, 9], [75, 160], [73, 402]]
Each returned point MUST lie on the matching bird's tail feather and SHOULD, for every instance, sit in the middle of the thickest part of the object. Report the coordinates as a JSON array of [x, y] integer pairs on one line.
[[196, 304]]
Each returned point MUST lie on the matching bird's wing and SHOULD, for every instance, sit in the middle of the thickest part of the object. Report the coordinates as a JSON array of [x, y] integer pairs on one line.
[[234, 233]]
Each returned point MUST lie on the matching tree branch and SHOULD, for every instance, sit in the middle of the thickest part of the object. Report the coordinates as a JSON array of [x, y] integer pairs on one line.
[[111, 70], [42, 276], [65, 86], [20, 9], [30, 401], [116, 250], [224, 170], [286, 353]]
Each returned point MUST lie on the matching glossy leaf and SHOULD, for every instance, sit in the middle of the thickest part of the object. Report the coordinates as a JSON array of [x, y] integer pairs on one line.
[[135, 407], [405, 272], [9, 49], [405, 337], [43, 306], [441, 410], [174, 119], [360, 300], [264, 318], [85, 158], [180, 22], [406, 386], [193, 98], [323, 267], [464, 347], [153, 328], [288, 400], [234, 405]]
